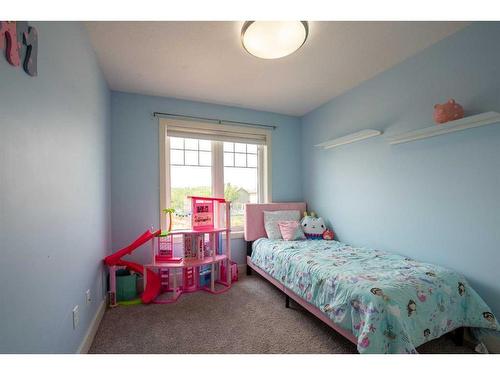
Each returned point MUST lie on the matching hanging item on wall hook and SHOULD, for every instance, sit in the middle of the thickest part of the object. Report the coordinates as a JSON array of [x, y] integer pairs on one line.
[[15, 34]]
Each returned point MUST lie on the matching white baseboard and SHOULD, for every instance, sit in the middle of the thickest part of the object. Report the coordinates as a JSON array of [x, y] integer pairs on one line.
[[92, 330]]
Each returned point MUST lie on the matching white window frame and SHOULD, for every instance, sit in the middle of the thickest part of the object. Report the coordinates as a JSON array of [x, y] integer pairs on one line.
[[263, 160]]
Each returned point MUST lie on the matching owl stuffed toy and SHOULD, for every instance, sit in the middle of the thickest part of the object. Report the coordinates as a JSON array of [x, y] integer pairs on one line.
[[313, 226]]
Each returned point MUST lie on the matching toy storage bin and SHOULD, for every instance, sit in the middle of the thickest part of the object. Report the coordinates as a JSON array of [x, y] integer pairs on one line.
[[126, 285], [205, 274], [140, 284]]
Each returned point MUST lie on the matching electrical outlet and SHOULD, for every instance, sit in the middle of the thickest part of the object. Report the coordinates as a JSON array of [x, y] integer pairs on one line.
[[87, 297], [76, 317]]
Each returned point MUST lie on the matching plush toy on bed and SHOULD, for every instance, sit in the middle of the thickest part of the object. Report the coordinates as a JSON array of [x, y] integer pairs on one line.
[[315, 228], [328, 234]]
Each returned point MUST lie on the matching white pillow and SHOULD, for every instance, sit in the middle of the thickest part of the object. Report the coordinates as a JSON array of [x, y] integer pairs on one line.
[[271, 219]]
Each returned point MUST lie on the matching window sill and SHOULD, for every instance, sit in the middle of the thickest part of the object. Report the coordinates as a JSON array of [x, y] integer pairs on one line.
[[237, 234]]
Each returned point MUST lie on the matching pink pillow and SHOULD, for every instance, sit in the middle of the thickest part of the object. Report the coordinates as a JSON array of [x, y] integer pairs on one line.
[[291, 230]]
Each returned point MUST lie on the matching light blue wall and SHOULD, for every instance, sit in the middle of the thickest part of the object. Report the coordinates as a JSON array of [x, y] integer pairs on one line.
[[54, 192], [135, 158], [437, 200]]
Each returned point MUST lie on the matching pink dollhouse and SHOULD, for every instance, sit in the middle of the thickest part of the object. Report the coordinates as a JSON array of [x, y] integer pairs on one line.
[[205, 248]]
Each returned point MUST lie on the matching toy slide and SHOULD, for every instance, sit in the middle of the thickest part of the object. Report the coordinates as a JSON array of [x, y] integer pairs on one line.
[[153, 280]]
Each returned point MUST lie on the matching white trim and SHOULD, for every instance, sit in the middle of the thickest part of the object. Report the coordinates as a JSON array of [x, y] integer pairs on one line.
[[217, 177], [164, 158], [92, 330], [350, 138], [266, 171], [261, 183], [215, 132], [217, 170], [237, 234]]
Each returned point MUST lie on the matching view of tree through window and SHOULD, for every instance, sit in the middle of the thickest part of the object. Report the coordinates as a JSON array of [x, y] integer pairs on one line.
[[191, 172], [240, 178]]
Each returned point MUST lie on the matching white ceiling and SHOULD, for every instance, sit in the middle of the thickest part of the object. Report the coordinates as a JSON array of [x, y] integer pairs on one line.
[[205, 61]]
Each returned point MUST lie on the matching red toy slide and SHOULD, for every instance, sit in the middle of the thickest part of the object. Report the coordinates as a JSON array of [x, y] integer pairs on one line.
[[153, 280]]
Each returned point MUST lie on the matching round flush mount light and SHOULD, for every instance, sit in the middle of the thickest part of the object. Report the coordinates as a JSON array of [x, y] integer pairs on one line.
[[273, 39]]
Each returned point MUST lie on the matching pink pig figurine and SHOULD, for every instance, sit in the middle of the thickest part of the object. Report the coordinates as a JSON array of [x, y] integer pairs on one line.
[[448, 111]]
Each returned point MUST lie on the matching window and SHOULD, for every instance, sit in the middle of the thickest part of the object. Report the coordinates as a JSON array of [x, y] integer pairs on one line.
[[208, 160], [190, 174], [241, 178]]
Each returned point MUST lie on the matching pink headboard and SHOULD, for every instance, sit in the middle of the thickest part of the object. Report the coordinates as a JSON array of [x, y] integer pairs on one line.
[[254, 216]]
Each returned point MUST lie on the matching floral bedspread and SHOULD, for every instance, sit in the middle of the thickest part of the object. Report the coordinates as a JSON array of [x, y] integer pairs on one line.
[[391, 303]]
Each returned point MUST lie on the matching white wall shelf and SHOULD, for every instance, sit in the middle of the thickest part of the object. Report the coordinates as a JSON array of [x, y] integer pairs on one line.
[[350, 138], [486, 118]]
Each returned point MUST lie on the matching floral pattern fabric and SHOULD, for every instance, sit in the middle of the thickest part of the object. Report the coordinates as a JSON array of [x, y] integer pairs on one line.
[[391, 303]]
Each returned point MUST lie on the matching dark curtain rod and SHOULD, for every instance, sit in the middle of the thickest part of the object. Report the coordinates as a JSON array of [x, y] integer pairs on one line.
[[163, 114]]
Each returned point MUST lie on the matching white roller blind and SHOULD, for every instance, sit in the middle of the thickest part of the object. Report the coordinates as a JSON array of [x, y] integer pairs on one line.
[[215, 132]]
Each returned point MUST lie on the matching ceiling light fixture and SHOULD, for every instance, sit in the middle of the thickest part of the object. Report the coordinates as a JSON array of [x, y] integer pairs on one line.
[[273, 39]]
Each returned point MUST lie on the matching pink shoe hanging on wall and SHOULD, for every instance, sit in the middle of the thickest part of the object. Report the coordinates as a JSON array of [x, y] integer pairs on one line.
[[448, 111]]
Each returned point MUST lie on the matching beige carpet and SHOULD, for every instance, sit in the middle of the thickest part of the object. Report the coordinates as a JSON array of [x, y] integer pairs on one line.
[[250, 318]]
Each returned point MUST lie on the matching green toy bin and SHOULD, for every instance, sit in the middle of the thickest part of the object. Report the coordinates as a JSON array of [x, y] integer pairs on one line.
[[126, 285]]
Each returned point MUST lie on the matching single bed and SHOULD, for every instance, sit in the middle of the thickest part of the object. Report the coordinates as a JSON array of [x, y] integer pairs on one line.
[[380, 301]]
